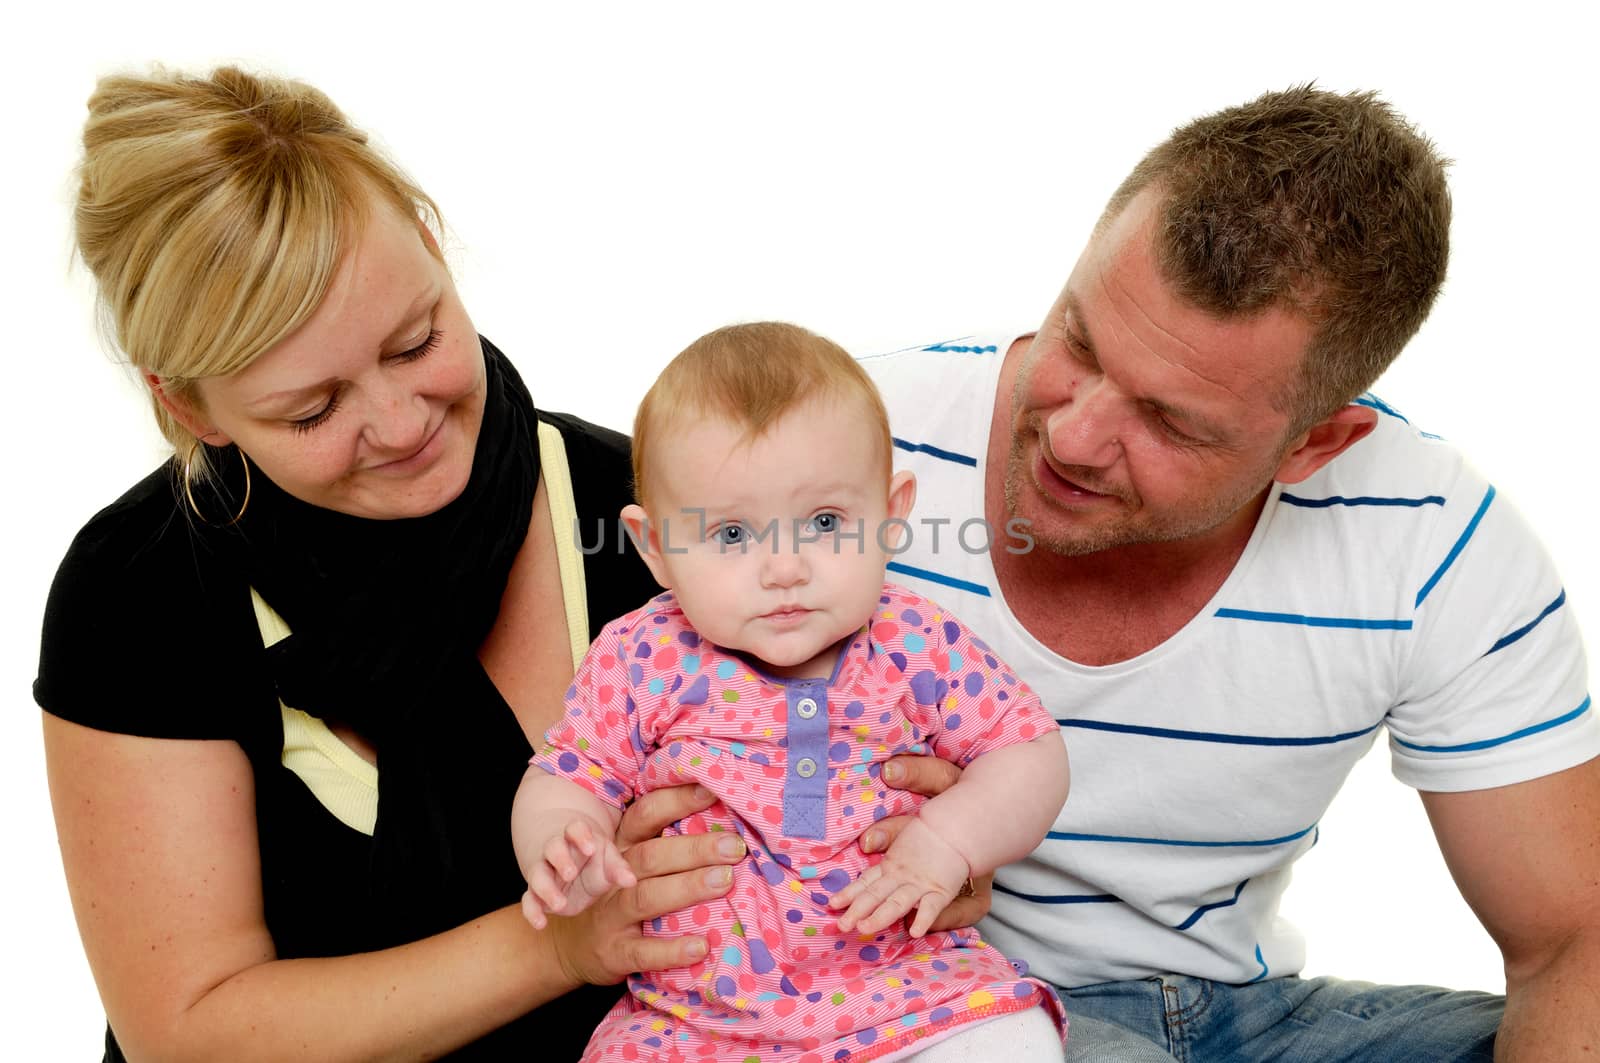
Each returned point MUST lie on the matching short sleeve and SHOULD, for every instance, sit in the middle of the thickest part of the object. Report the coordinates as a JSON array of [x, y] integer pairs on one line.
[[143, 633], [1495, 686], [973, 702], [597, 743]]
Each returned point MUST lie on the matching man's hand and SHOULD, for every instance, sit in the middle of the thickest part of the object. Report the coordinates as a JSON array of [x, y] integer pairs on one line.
[[930, 777], [920, 870]]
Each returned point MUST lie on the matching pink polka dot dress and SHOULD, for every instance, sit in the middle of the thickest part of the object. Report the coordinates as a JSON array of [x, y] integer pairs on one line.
[[796, 764]]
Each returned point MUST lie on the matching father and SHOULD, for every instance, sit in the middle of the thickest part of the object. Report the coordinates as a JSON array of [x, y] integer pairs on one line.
[[1242, 567]]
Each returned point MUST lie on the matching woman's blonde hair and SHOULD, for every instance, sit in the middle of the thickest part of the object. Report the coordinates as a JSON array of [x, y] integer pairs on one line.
[[753, 374], [213, 212]]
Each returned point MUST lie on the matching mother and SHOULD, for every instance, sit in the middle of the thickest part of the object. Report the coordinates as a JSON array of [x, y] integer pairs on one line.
[[291, 676]]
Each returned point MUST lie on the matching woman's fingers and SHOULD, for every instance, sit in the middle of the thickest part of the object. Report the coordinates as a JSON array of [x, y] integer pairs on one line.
[[660, 894], [667, 856], [656, 811], [655, 954]]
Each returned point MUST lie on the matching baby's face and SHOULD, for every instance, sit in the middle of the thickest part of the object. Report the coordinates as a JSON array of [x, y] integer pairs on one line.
[[776, 546]]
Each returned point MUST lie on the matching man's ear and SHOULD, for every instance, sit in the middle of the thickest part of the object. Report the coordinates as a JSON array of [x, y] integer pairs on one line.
[[185, 412], [1324, 441], [647, 540], [902, 496]]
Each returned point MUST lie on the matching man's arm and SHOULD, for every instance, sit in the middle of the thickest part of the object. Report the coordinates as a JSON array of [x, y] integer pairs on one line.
[[1526, 857]]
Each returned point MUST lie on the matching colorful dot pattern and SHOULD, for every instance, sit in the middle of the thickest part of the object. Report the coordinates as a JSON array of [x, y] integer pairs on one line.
[[655, 705]]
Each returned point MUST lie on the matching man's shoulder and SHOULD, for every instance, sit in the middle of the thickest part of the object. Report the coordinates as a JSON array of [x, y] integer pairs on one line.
[[944, 367], [940, 395], [1398, 464]]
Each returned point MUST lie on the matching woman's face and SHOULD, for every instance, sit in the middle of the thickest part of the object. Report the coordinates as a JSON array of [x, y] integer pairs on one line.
[[373, 406]]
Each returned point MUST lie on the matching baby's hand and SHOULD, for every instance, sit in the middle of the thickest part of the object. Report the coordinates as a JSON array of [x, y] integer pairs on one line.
[[577, 863], [921, 870]]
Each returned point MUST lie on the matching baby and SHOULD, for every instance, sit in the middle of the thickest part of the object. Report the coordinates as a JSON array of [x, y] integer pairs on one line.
[[779, 671]]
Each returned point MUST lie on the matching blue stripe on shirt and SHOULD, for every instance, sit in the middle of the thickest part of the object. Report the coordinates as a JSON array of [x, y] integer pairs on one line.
[[1359, 500], [937, 577], [1372, 401], [937, 452], [1263, 964], [1455, 551], [1530, 625], [1194, 917], [1312, 621], [1072, 836], [958, 348], [1063, 898], [1488, 743], [1214, 736]]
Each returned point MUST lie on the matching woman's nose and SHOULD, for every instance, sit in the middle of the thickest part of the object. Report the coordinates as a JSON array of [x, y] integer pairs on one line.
[[397, 422]]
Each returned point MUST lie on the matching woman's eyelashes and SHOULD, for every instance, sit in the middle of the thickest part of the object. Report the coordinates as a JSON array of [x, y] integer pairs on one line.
[[411, 354]]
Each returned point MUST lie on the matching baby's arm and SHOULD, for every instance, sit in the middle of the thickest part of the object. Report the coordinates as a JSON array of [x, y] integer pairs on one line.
[[997, 812], [563, 839]]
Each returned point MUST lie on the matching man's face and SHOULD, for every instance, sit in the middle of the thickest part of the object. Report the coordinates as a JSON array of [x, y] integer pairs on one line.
[[1138, 418]]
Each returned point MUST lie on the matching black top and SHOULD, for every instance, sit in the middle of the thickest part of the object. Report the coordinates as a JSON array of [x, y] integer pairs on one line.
[[148, 632]]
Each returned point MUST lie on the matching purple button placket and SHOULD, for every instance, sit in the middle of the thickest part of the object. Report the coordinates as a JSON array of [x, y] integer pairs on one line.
[[805, 784]]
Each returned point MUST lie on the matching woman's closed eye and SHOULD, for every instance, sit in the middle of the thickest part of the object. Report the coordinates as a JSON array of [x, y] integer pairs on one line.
[[411, 354], [306, 424]]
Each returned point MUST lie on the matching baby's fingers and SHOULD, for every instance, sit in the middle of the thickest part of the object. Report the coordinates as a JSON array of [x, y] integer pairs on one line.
[[847, 896], [580, 837], [929, 908], [618, 873], [887, 911], [548, 889], [532, 911], [559, 858]]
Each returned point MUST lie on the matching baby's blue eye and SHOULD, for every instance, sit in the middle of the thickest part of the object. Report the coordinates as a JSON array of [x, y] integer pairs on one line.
[[825, 523], [729, 535]]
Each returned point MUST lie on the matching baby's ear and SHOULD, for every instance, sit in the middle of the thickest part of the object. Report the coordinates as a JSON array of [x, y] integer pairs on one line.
[[647, 540], [902, 494]]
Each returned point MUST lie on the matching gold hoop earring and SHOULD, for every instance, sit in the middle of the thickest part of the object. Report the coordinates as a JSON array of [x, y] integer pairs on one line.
[[188, 483]]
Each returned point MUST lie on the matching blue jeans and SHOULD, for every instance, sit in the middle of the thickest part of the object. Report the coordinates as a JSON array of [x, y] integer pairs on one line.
[[1282, 1020]]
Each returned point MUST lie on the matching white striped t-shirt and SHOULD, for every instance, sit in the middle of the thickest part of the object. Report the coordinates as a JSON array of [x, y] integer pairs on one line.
[[1392, 589]]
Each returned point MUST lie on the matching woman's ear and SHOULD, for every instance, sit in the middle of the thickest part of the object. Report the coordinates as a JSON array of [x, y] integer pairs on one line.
[[184, 410], [647, 540]]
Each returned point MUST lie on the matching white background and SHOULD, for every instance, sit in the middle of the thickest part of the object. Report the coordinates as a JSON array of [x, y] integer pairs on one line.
[[618, 179]]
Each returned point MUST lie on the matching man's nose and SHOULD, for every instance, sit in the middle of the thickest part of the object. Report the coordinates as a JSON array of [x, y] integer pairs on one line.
[[1086, 429]]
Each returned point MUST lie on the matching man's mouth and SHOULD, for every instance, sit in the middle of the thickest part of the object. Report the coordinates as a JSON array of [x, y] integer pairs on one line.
[[1067, 488]]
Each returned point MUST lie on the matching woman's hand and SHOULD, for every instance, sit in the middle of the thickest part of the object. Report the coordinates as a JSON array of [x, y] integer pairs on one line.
[[928, 776], [606, 943]]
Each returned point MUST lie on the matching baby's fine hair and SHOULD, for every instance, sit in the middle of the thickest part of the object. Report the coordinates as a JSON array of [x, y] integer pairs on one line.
[[753, 374]]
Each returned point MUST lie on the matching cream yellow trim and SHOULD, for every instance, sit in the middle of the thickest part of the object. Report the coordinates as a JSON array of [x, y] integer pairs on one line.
[[564, 519], [337, 776]]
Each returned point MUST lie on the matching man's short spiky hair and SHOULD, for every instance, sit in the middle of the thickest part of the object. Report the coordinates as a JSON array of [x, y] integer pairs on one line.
[[1326, 203]]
